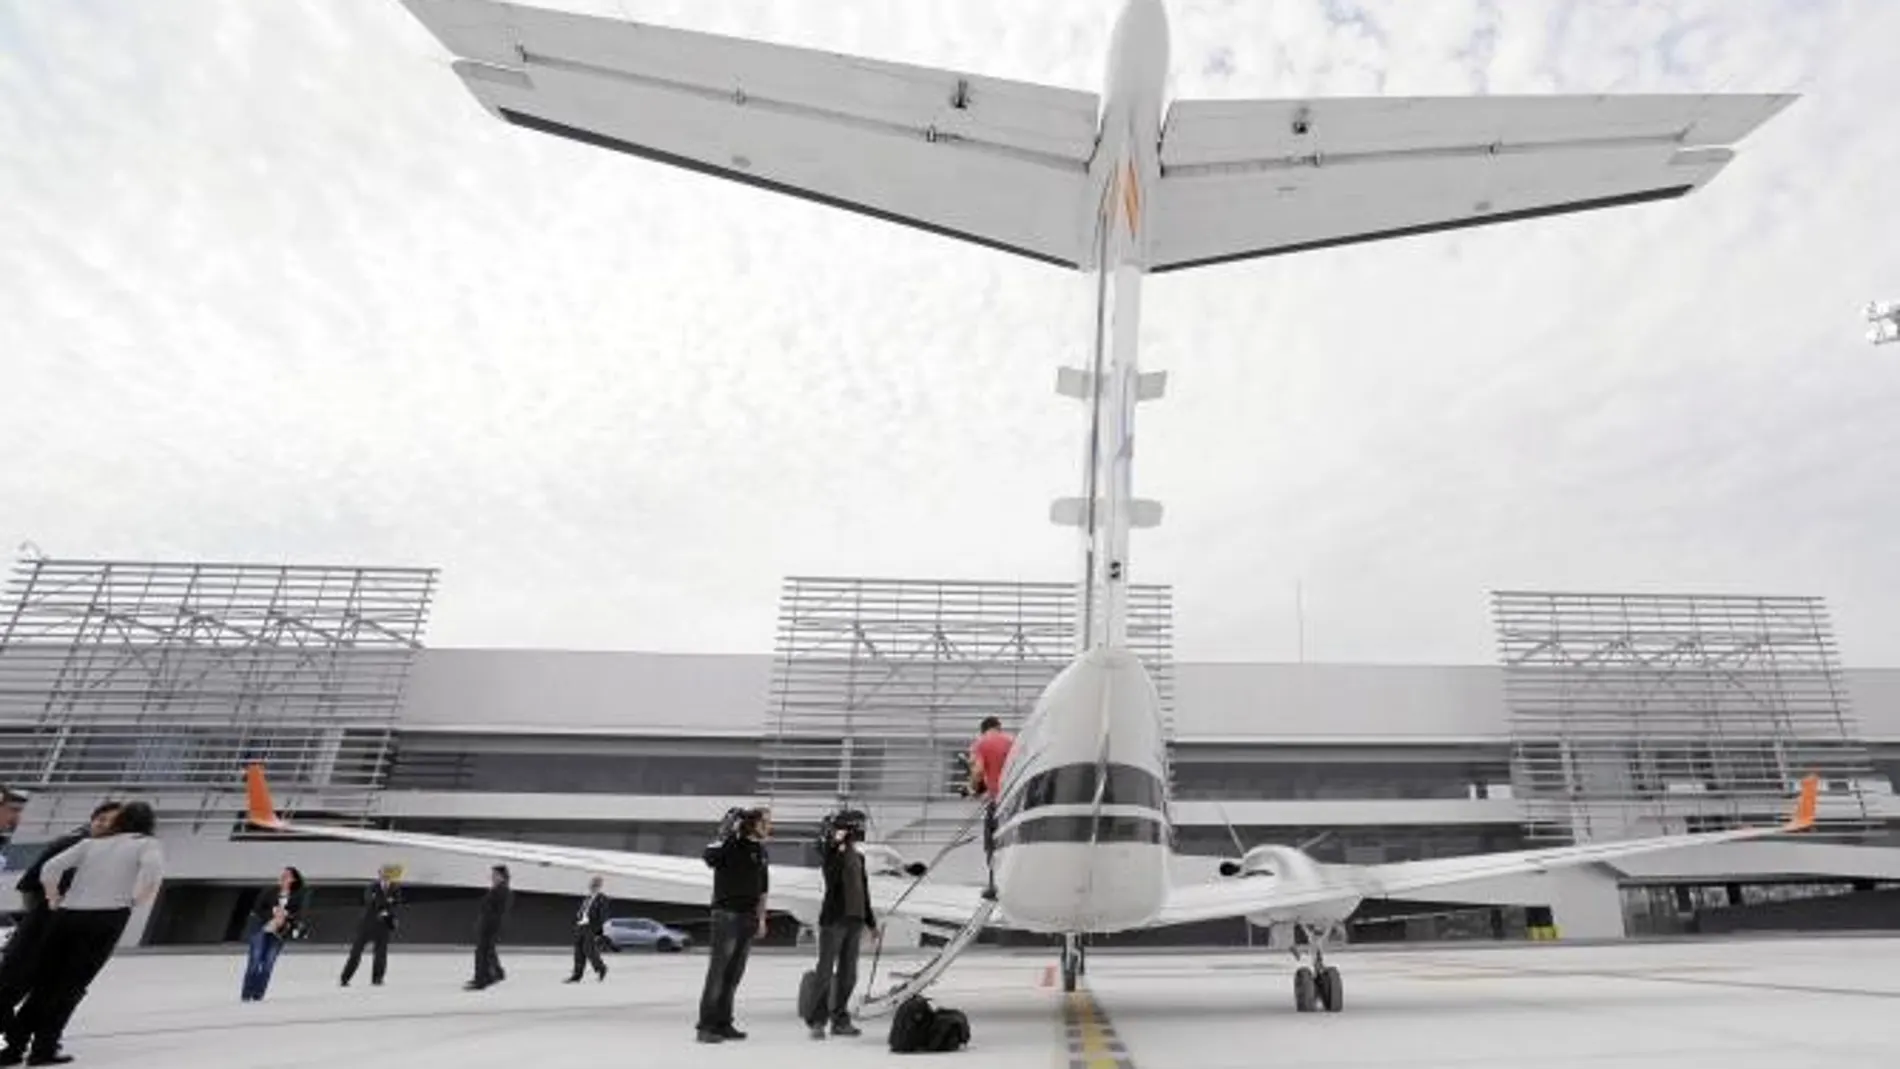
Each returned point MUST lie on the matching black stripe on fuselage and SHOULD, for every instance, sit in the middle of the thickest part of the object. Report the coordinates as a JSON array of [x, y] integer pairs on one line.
[[1084, 828], [1076, 784]]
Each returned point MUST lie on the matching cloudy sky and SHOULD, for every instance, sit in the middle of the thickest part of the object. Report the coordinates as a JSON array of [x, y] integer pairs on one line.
[[274, 287]]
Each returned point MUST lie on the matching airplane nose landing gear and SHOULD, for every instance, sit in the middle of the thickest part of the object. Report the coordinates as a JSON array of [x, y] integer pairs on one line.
[[1317, 986]]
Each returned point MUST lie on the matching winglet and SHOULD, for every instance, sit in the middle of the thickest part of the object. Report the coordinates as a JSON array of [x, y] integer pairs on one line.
[[1803, 818], [260, 810]]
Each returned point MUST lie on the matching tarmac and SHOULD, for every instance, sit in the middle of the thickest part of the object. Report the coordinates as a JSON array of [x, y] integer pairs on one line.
[[1730, 1004]]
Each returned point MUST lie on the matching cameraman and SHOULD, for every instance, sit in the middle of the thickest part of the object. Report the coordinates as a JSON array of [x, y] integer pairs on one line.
[[842, 921], [740, 881]]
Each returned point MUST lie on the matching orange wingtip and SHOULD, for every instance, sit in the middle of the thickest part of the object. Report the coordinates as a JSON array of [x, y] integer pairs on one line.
[[260, 810], [1803, 818]]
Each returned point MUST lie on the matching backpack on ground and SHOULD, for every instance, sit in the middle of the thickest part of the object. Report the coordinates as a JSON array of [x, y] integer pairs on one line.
[[911, 1024], [812, 997], [950, 1030]]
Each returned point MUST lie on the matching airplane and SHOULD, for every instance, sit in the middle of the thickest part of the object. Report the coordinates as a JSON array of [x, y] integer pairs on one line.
[[1118, 185]]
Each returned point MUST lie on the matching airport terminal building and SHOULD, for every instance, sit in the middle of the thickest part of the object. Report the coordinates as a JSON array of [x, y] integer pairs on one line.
[[1606, 716]]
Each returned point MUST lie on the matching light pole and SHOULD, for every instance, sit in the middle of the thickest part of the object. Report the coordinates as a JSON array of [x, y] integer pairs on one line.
[[1884, 317]]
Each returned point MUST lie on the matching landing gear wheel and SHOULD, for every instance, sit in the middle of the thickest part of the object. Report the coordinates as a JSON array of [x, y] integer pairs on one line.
[[1071, 962], [1331, 990], [1305, 990]]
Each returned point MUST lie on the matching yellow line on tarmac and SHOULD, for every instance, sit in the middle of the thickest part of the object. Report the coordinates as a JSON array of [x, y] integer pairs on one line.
[[1092, 1041]]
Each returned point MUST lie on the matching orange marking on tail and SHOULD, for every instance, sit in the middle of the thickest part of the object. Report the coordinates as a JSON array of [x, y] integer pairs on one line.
[[260, 810], [1131, 198], [1803, 818]]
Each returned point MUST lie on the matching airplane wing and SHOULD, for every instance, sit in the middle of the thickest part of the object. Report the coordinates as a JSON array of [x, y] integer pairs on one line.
[[1248, 178], [953, 904], [1238, 897], [999, 163]]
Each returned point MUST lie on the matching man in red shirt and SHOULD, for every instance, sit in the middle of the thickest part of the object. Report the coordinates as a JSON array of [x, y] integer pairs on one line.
[[988, 754]]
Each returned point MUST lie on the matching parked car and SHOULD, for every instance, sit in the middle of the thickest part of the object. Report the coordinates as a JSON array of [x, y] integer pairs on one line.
[[622, 933]]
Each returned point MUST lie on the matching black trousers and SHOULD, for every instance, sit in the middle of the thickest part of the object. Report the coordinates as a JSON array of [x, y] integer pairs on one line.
[[838, 945], [375, 934], [78, 944], [587, 951], [725, 966], [989, 839], [488, 968], [21, 965]]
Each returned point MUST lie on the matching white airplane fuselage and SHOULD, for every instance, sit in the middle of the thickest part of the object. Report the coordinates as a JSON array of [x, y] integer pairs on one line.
[[1083, 835]]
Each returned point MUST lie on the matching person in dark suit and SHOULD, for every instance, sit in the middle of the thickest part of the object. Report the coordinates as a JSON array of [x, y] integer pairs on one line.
[[588, 932], [495, 903], [741, 878], [276, 919], [21, 964], [843, 918], [374, 927]]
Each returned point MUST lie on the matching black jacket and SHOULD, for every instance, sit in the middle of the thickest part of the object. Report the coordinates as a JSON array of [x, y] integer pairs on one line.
[[30, 884], [831, 911], [266, 905], [741, 874], [494, 907], [596, 914], [379, 906]]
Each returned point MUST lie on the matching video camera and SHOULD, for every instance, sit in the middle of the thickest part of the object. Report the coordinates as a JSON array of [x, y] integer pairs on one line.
[[850, 821], [737, 820]]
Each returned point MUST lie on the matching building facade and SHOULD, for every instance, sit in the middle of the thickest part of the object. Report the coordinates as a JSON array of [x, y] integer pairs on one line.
[[1363, 763]]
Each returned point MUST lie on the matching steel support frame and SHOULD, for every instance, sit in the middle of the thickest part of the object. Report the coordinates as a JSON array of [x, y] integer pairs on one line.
[[162, 679], [1648, 713], [878, 684]]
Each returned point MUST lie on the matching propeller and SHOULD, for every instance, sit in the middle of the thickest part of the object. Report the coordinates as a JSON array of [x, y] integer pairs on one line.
[[1232, 868]]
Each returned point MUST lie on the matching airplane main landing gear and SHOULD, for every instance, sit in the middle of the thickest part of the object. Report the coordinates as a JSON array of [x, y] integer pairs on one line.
[[1317, 986], [1074, 961]]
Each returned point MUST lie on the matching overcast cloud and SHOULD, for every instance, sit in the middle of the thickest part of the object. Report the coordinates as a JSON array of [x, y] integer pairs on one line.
[[274, 287]]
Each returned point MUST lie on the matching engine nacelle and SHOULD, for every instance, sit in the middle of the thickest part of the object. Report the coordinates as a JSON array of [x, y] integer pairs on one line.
[[1294, 868], [1270, 860]]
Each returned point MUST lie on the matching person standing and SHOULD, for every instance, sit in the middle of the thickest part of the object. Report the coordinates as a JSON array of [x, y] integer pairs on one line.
[[843, 918], [495, 903], [275, 920], [589, 925], [111, 874], [21, 964], [740, 882], [374, 927], [988, 756], [12, 808]]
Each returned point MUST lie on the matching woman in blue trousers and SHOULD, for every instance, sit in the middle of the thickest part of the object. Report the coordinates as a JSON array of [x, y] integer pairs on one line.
[[277, 916]]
